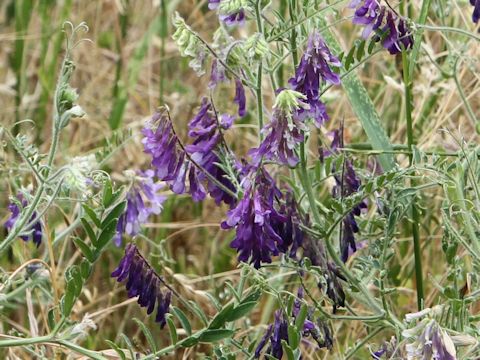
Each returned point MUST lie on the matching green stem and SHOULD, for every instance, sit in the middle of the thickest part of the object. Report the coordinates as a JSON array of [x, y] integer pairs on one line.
[[449, 29], [360, 344], [414, 211], [258, 16]]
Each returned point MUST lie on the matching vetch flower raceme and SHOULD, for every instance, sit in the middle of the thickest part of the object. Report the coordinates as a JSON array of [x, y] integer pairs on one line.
[[284, 132], [255, 219], [144, 282], [347, 183], [33, 227], [315, 68], [389, 27], [143, 200], [203, 128]]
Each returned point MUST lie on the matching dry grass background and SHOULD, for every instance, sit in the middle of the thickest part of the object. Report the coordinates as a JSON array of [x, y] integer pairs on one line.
[[203, 260]]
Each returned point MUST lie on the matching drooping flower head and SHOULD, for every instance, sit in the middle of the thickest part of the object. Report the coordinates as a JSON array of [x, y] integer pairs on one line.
[[315, 68], [144, 282], [388, 26], [347, 183], [143, 200], [255, 219], [33, 229], [284, 131]]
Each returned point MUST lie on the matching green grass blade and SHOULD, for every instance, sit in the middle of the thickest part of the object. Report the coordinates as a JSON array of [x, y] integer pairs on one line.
[[363, 107]]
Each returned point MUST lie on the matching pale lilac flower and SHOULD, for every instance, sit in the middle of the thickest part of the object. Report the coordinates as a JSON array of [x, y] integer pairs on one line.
[[144, 282], [143, 200]]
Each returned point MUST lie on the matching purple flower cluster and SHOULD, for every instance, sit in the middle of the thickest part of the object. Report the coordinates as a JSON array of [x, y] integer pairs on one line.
[[283, 133], [256, 220], [347, 183], [143, 281], [278, 331], [315, 67], [172, 162], [230, 17], [389, 28], [476, 10], [35, 225], [143, 200]]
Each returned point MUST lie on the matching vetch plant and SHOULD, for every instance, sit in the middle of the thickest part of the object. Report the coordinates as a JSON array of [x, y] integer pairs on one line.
[[252, 223]]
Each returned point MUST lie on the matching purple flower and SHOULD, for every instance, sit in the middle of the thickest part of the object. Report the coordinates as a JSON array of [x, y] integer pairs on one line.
[[173, 163], [35, 234], [315, 66], [255, 220], [347, 183], [143, 200], [207, 137], [283, 133], [168, 160], [390, 28], [476, 10], [240, 99], [144, 282], [230, 15], [217, 74], [278, 331]]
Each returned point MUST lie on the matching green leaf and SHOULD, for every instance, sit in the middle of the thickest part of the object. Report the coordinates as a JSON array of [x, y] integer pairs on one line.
[[92, 215], [115, 213], [51, 318], [214, 335], [129, 345], [199, 312], [293, 336], [148, 335], [84, 249], [241, 310], [302, 315], [221, 317], [85, 269], [68, 299], [107, 193], [117, 349], [172, 329], [183, 319], [288, 350], [107, 234], [89, 231]]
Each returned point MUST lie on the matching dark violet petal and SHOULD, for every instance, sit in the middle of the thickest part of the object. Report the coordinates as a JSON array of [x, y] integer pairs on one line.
[[240, 98]]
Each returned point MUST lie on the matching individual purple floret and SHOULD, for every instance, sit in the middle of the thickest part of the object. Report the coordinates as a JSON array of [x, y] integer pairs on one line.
[[204, 129], [144, 282], [36, 232], [315, 67], [240, 98], [229, 16], [143, 200], [390, 28], [476, 10], [255, 219], [217, 74]]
